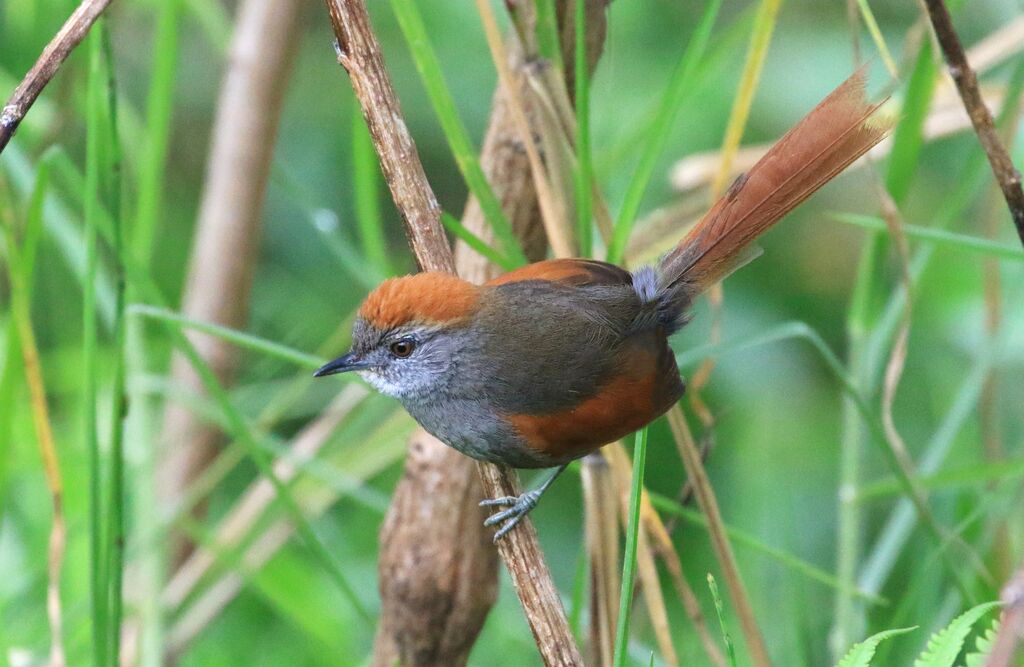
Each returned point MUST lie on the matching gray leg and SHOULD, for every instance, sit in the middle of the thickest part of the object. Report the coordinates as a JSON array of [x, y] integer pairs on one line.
[[518, 506]]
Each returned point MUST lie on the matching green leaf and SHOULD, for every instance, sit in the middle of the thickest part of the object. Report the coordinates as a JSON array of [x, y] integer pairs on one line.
[[860, 654], [679, 86], [427, 64], [720, 611], [984, 644], [944, 646]]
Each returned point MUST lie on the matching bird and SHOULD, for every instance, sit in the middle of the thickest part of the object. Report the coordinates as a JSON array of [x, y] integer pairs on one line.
[[551, 361]]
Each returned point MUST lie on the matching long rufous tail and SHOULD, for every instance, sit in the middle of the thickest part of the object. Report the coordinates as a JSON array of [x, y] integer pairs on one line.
[[835, 133]]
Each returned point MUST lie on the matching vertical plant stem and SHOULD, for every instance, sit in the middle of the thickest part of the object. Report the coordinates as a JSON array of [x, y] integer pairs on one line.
[[848, 623], [119, 403], [629, 558], [159, 105], [99, 585], [366, 188], [584, 169], [716, 529], [411, 22], [20, 311]]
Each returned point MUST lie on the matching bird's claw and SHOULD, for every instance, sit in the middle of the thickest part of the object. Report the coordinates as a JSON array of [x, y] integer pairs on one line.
[[499, 502], [519, 506]]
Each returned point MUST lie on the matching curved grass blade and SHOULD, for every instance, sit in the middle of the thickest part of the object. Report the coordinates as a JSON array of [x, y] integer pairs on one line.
[[682, 82], [411, 22]]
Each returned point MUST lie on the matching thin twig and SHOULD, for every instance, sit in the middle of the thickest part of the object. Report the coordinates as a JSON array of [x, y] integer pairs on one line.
[[360, 53], [53, 56], [967, 84]]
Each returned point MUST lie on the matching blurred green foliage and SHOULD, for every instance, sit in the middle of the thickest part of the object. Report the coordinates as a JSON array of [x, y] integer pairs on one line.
[[777, 444]]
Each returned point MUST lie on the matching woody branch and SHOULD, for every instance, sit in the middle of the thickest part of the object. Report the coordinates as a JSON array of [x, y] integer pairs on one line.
[[360, 53], [53, 56]]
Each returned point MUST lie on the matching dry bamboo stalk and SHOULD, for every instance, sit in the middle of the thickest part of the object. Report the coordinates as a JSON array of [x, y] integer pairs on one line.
[[53, 56], [602, 534], [225, 246]]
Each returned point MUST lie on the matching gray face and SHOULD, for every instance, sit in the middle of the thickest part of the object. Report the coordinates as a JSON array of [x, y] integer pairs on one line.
[[409, 362]]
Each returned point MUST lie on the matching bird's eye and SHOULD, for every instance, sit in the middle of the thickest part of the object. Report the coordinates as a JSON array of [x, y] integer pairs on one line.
[[403, 348]]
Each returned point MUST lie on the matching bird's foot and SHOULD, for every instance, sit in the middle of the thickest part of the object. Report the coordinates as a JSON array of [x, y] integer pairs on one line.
[[518, 507]]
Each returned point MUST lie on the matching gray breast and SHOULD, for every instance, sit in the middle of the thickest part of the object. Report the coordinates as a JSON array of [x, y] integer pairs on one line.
[[471, 427]]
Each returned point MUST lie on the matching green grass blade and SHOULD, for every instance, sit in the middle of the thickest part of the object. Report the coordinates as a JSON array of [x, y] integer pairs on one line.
[[366, 187], [877, 38], [116, 534], [584, 171], [10, 371], [159, 106], [979, 474], [629, 558], [939, 237], [730, 650], [547, 32], [908, 137], [233, 336], [757, 51], [411, 23], [798, 565], [240, 429], [462, 233], [681, 83], [98, 530]]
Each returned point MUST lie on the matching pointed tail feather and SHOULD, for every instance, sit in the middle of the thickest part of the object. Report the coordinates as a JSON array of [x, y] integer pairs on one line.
[[834, 134]]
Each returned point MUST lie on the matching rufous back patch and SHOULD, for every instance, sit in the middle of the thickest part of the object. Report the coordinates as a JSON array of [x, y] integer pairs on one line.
[[423, 297]]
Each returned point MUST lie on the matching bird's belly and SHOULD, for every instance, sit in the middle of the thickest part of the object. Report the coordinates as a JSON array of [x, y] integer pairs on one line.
[[470, 427], [621, 407]]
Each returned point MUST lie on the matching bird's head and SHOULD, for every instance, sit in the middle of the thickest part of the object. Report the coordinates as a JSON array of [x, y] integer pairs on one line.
[[409, 334]]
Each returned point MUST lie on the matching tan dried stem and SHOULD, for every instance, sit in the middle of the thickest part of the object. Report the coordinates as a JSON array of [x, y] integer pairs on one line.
[[1006, 174], [555, 220], [225, 246], [719, 541], [602, 535], [259, 496], [253, 508], [53, 56], [360, 53], [22, 316], [661, 543]]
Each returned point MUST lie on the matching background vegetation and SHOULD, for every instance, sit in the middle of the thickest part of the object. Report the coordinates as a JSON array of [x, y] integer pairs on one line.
[[789, 448]]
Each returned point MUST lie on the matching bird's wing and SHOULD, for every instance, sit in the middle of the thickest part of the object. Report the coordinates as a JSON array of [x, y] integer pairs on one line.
[[575, 272]]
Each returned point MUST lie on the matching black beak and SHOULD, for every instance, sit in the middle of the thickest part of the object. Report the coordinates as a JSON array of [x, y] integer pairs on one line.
[[348, 362]]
